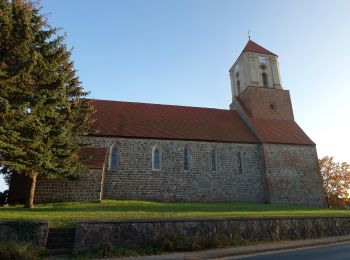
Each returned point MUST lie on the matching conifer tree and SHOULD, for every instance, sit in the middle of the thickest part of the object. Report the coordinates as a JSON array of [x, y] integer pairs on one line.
[[43, 111]]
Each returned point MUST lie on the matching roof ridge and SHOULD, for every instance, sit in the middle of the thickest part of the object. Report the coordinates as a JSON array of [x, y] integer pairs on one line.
[[156, 104], [273, 119]]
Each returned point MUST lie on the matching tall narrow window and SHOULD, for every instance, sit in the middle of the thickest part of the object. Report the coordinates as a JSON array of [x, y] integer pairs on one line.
[[264, 80], [113, 159], [238, 87], [214, 160], [156, 159], [240, 165], [186, 159]]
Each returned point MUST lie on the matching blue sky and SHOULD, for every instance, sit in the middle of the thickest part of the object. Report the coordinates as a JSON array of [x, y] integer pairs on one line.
[[180, 51]]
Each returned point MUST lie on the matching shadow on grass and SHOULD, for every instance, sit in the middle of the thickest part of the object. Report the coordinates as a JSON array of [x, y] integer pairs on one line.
[[161, 207]]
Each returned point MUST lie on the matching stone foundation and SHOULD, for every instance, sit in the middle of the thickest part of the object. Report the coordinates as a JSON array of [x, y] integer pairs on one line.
[[34, 232]]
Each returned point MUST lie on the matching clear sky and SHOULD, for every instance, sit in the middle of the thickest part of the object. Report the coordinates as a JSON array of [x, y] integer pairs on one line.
[[179, 52]]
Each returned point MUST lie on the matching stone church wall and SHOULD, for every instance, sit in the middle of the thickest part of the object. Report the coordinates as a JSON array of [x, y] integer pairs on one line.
[[293, 175], [135, 179], [86, 188]]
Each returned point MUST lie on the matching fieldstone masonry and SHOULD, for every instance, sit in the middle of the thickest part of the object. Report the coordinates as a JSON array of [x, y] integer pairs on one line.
[[135, 179], [87, 187], [154, 233], [275, 173], [35, 232]]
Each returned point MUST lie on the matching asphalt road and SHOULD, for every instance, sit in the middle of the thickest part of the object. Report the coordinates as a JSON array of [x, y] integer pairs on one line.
[[330, 252]]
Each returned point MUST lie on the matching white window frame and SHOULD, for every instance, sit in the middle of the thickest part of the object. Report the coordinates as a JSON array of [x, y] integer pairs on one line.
[[262, 59]]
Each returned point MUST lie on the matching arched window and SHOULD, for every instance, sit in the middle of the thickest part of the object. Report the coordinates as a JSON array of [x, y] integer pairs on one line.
[[264, 80], [214, 160], [113, 159], [156, 158], [186, 159], [238, 87]]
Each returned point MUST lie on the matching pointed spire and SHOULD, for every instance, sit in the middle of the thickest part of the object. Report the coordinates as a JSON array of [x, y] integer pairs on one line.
[[256, 48]]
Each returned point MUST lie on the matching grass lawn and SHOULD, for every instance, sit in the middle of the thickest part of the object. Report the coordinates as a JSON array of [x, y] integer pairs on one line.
[[67, 213]]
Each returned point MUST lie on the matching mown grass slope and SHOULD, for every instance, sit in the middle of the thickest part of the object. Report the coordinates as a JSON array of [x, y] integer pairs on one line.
[[67, 213]]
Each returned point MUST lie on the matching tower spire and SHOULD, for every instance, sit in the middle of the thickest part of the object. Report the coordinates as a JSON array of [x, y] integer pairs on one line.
[[249, 35]]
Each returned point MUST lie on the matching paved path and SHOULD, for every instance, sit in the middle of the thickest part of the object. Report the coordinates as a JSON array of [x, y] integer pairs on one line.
[[245, 251], [339, 251]]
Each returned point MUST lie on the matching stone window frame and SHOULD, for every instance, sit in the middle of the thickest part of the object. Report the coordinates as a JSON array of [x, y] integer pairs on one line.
[[154, 148], [214, 160], [110, 162], [186, 148]]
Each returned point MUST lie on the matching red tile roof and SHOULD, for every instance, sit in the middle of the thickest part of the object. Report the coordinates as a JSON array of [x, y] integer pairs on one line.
[[256, 48], [93, 157], [139, 120], [280, 131]]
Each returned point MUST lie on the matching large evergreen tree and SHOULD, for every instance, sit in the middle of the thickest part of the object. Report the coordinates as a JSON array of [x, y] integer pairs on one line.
[[42, 107]]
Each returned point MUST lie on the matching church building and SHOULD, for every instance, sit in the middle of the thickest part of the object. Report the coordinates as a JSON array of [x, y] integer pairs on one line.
[[252, 152]]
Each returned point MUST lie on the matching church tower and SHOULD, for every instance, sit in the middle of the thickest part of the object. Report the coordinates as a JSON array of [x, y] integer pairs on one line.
[[256, 66], [256, 84], [290, 163]]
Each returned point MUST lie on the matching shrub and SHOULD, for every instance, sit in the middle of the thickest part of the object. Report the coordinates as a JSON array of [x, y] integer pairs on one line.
[[19, 251], [336, 202]]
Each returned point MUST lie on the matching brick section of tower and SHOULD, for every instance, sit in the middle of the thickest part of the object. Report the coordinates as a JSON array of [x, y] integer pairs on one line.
[[267, 103], [289, 155]]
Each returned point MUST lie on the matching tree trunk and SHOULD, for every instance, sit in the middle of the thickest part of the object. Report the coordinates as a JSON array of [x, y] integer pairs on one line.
[[30, 198]]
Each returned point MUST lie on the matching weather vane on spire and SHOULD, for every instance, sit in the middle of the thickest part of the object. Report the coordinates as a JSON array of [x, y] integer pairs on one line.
[[248, 34]]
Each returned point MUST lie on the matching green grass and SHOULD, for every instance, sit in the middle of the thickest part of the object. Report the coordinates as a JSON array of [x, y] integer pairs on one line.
[[67, 213]]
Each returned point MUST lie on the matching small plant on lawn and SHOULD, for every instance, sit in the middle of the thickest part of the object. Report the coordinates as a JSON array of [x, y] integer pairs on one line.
[[118, 251]]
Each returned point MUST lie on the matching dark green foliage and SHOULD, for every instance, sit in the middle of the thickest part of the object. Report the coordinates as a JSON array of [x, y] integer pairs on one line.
[[42, 110], [3, 197]]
